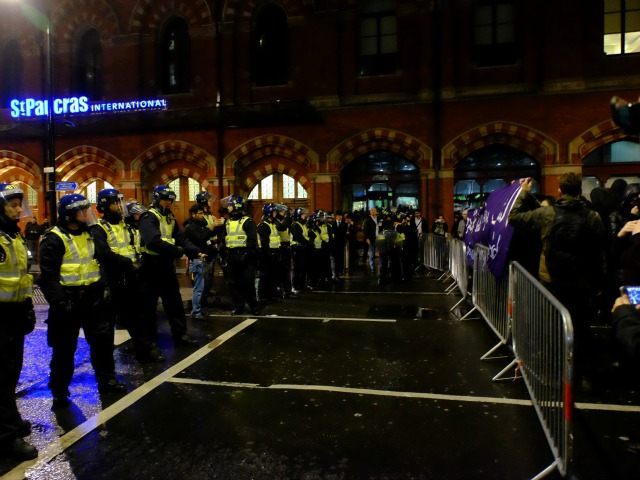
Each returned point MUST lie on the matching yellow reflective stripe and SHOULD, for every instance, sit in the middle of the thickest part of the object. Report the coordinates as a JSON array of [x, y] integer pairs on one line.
[[166, 231], [78, 267], [16, 284], [274, 238], [324, 233], [234, 239]]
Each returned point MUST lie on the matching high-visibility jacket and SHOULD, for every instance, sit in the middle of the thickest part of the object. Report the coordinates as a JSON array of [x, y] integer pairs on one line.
[[285, 236], [274, 236], [236, 236], [120, 239], [16, 285], [79, 268], [166, 230], [211, 221], [305, 234]]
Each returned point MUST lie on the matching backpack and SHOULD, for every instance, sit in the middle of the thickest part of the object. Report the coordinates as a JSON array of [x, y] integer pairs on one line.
[[572, 254]]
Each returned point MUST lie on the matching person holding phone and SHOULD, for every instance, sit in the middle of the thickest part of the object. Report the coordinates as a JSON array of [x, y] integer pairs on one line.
[[626, 321]]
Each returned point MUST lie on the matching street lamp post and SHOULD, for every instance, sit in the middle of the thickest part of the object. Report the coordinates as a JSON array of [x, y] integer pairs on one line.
[[43, 23]]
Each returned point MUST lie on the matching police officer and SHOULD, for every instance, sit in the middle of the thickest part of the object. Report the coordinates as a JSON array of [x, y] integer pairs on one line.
[[270, 258], [123, 259], [17, 319], [204, 200], [283, 270], [241, 242], [162, 244], [300, 249], [72, 284]]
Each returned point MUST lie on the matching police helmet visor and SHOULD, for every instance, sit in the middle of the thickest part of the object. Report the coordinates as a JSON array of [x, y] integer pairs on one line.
[[135, 208], [81, 211], [15, 202]]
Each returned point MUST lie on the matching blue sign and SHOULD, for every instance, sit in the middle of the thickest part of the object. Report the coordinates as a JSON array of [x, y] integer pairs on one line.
[[33, 107], [66, 186]]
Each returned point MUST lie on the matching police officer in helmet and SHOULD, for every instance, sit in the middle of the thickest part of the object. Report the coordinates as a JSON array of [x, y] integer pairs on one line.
[[17, 319], [74, 287], [162, 244], [123, 256], [241, 243]]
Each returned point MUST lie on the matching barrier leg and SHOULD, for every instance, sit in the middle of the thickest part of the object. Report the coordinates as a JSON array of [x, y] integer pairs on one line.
[[466, 315], [444, 276], [457, 304], [487, 356], [451, 288], [546, 471], [500, 376]]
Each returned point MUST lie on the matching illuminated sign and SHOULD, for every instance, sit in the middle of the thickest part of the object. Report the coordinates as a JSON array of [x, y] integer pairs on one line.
[[33, 108]]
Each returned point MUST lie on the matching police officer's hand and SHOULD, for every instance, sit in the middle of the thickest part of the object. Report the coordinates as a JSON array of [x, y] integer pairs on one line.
[[179, 252], [29, 321]]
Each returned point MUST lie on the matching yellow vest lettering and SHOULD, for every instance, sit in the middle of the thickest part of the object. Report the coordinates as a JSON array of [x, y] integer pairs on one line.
[[236, 236]]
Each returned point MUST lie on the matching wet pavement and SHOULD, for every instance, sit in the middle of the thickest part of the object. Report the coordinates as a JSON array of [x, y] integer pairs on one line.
[[353, 382]]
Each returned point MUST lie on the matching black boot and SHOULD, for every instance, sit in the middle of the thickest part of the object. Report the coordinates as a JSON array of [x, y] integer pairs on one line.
[[18, 449]]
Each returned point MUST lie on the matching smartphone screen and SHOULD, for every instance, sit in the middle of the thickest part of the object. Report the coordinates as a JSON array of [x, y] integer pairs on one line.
[[633, 292]]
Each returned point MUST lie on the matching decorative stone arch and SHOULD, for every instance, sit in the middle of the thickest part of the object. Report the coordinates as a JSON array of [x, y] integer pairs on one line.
[[15, 167], [159, 160], [266, 146], [148, 15], [97, 14], [385, 139], [243, 10], [252, 174], [85, 161], [522, 137], [592, 139]]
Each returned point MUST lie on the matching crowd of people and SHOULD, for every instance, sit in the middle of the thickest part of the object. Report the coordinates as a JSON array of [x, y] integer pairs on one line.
[[96, 273], [584, 251]]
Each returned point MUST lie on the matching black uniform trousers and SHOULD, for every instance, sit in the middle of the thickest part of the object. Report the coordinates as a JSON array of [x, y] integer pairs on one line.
[[158, 280], [12, 332], [300, 261], [240, 273], [284, 267], [125, 306], [270, 276], [84, 308]]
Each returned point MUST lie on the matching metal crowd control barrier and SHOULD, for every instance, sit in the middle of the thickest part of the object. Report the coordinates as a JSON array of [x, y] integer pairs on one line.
[[490, 296], [458, 269], [542, 334], [436, 253]]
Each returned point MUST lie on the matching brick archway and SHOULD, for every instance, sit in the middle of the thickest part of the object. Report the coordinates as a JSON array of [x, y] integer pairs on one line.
[[176, 155], [592, 139], [243, 10], [81, 163], [148, 15], [251, 176], [531, 141], [15, 167], [85, 13], [385, 139], [266, 146]]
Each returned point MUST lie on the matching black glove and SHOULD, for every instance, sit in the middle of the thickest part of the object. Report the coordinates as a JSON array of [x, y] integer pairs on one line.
[[179, 252], [29, 321]]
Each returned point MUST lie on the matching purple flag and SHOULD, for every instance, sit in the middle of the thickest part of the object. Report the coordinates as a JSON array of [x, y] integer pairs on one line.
[[499, 205]]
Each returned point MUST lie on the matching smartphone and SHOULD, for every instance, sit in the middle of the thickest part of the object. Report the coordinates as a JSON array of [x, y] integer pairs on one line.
[[633, 292]]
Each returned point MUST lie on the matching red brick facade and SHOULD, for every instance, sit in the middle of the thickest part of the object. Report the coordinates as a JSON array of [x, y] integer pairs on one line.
[[552, 104]]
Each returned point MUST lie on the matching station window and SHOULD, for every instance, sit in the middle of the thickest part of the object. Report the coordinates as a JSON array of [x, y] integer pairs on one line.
[[621, 27], [93, 188], [12, 68], [278, 187], [494, 33], [271, 47], [88, 67], [378, 38], [623, 151], [175, 57]]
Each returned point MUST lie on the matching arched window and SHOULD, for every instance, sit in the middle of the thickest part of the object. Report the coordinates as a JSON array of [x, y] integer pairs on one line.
[[278, 187], [378, 38], [12, 68], [175, 57], [93, 188], [271, 47], [623, 151], [88, 65]]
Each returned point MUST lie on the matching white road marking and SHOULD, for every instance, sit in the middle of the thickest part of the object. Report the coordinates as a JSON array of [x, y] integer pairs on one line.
[[377, 292], [303, 317], [393, 393], [61, 444]]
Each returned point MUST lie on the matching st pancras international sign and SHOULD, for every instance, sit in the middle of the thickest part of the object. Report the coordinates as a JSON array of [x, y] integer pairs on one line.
[[29, 108]]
